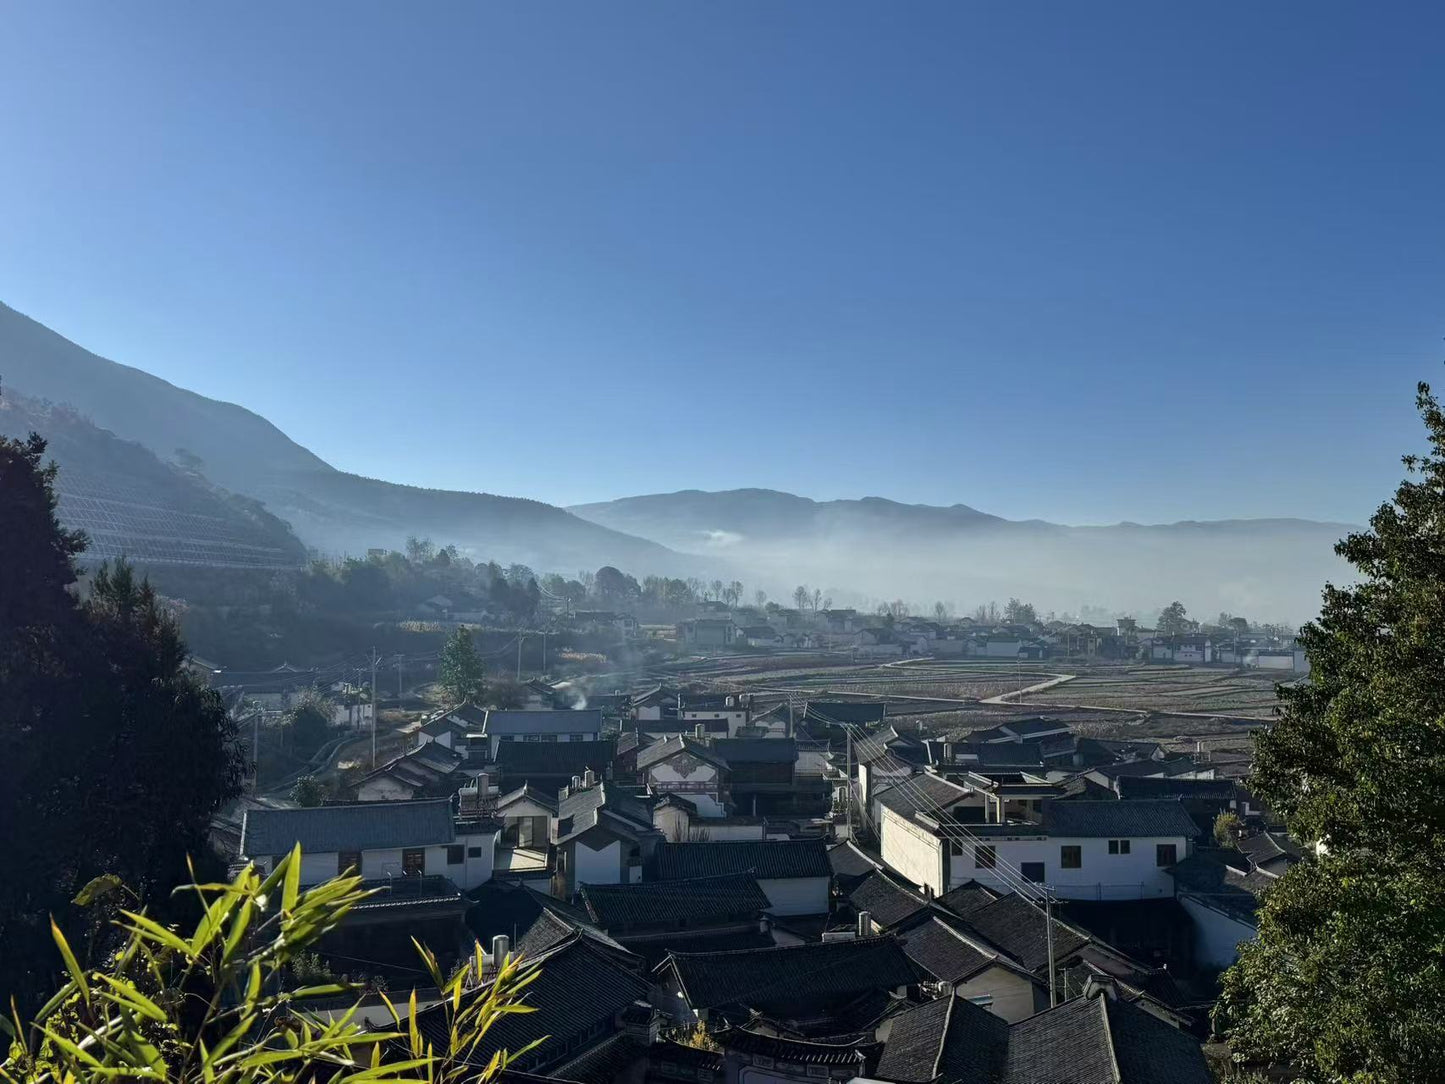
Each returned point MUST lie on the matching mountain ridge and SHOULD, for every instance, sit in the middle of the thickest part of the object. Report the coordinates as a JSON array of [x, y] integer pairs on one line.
[[329, 509]]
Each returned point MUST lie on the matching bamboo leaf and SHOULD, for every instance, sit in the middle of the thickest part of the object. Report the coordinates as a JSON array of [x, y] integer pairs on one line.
[[71, 964]]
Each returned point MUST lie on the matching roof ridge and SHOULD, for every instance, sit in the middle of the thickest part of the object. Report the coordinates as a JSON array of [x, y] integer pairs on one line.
[[943, 1037], [1109, 1037]]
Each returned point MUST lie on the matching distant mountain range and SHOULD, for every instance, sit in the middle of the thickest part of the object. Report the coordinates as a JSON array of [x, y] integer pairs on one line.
[[877, 548], [329, 510], [857, 551]]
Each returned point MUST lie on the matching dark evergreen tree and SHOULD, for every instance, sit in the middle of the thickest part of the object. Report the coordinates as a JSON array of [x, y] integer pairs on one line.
[[1347, 978], [113, 759]]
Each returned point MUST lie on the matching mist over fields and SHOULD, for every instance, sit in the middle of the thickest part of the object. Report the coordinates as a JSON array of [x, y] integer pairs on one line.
[[862, 551], [857, 552]]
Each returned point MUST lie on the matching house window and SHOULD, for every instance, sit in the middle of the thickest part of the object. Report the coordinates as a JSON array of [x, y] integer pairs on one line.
[[1118, 846], [982, 1000], [1071, 857], [579, 737], [348, 862], [533, 737], [985, 856], [413, 861], [955, 848], [506, 737], [1165, 854], [1033, 872], [456, 854], [474, 852]]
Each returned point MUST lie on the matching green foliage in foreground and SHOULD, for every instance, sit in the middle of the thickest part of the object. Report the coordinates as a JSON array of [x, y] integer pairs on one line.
[[209, 1006]]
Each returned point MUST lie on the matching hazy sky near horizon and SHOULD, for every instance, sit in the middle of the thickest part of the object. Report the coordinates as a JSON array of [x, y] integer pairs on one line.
[[1082, 262]]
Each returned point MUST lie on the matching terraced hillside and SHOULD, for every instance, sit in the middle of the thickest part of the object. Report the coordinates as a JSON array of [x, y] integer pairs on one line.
[[131, 504]]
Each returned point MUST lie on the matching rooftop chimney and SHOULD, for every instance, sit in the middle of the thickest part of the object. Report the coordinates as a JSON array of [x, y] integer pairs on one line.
[[576, 782], [865, 924], [589, 778], [699, 731], [563, 794], [501, 949]]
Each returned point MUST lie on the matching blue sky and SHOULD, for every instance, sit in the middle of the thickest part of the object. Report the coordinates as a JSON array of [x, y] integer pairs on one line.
[[1083, 262]]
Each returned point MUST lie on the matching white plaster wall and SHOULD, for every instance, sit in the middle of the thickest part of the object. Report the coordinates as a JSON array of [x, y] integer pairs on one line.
[[383, 788], [912, 851], [597, 867], [1216, 935], [1101, 875], [1013, 995], [796, 895]]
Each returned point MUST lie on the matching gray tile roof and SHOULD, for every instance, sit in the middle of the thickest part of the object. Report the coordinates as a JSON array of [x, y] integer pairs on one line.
[[967, 897], [885, 899], [1017, 929], [808, 977], [1135, 818], [924, 792], [948, 1040], [520, 760], [361, 827], [757, 750], [584, 809], [848, 861], [942, 952], [1209, 877], [581, 721], [845, 711], [763, 859], [671, 747], [581, 988], [675, 905], [1099, 1039]]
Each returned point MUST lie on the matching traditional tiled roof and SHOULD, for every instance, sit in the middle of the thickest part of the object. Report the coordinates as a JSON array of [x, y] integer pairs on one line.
[[674, 905], [1212, 790], [795, 1050], [361, 827], [1122, 819], [757, 750], [924, 793], [580, 989], [1273, 852], [671, 747], [1016, 927], [527, 792], [1030, 729], [845, 711], [763, 859], [526, 759], [942, 952], [885, 899], [948, 1041], [800, 975], [1209, 877], [580, 721], [847, 861], [583, 809], [1099, 1039], [1169, 766], [967, 897]]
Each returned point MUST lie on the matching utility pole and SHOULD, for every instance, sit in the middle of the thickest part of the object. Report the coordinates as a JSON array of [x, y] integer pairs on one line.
[[398, 680], [848, 779], [256, 744], [520, 638], [544, 651], [1049, 924], [373, 709]]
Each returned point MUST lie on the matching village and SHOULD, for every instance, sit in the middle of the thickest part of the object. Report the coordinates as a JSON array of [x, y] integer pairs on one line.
[[812, 843]]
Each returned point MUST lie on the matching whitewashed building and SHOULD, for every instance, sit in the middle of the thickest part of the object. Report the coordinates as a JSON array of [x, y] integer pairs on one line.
[[379, 840], [1086, 850]]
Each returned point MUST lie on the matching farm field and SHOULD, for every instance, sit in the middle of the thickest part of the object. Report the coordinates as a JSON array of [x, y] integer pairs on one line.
[[1170, 689]]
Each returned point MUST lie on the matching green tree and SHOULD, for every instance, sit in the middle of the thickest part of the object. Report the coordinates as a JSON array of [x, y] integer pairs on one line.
[[1019, 613], [218, 1004], [308, 791], [1346, 980], [1226, 829], [309, 726], [462, 674], [1174, 620]]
